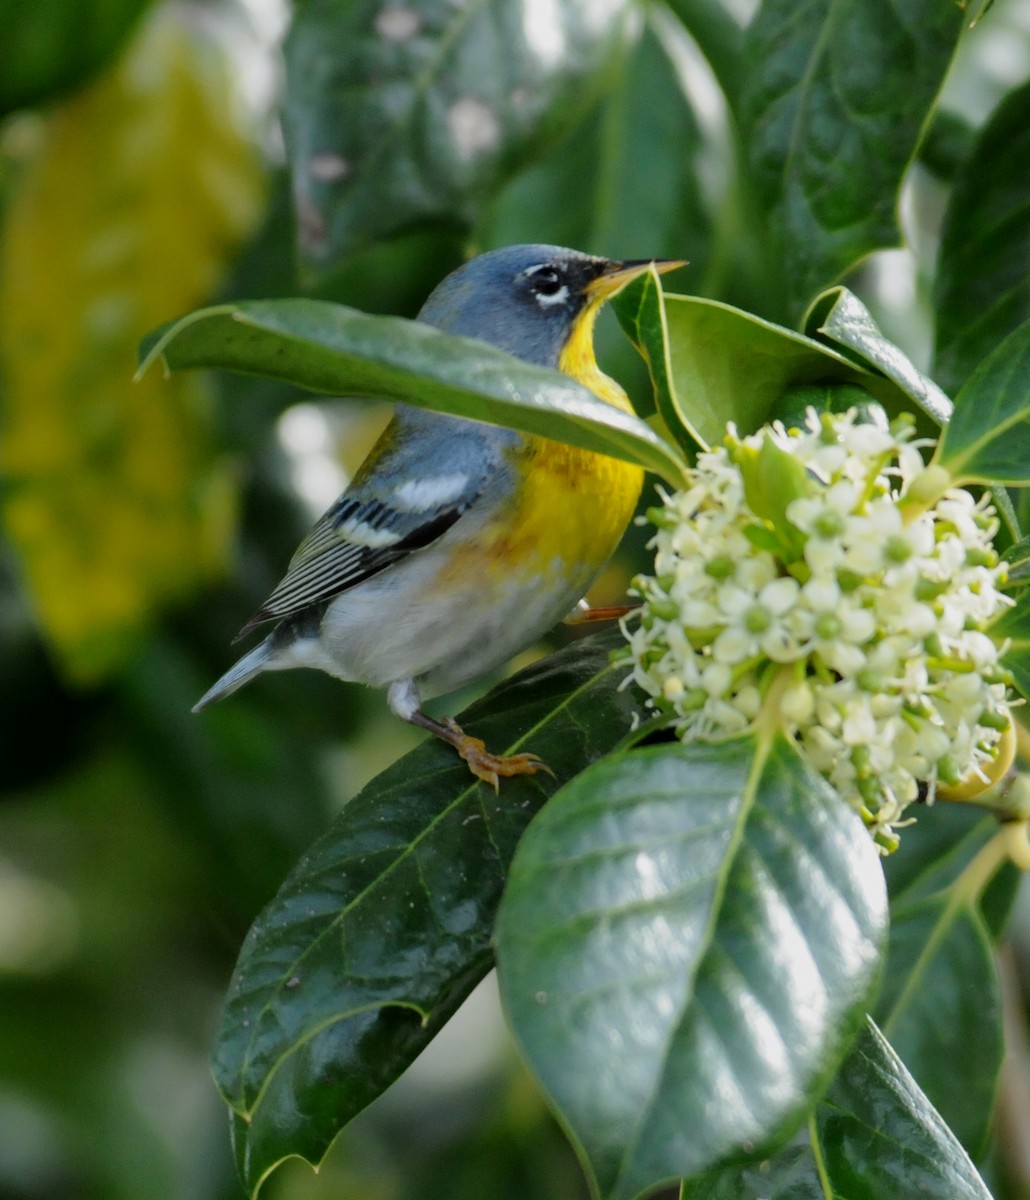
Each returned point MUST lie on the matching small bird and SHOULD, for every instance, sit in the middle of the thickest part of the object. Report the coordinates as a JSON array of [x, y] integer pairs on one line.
[[459, 543]]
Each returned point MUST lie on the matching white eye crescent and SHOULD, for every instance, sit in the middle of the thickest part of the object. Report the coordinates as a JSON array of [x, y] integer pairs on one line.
[[546, 300], [547, 286]]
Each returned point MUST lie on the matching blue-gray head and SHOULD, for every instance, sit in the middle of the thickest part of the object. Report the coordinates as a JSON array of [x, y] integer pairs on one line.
[[527, 299]]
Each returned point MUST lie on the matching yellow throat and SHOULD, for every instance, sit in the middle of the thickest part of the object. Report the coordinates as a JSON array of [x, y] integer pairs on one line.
[[578, 359]]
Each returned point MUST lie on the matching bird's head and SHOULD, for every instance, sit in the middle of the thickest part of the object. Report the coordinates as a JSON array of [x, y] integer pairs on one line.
[[531, 300]]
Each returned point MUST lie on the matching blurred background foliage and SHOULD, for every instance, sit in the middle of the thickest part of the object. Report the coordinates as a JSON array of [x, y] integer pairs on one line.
[[144, 172]]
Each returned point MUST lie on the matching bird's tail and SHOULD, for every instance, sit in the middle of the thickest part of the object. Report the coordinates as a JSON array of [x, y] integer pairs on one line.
[[243, 671]]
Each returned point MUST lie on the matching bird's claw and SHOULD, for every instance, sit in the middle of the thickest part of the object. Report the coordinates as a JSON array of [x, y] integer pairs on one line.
[[491, 768]]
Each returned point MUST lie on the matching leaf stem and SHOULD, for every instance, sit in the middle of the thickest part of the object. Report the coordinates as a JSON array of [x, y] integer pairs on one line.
[[817, 1155], [969, 886]]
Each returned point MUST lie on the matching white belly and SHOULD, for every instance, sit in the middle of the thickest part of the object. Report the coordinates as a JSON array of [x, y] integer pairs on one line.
[[397, 626]]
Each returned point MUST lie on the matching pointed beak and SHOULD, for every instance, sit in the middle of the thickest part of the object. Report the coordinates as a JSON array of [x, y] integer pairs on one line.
[[617, 274]]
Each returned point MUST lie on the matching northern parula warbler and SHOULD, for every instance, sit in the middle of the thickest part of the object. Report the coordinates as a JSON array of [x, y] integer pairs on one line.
[[459, 543]]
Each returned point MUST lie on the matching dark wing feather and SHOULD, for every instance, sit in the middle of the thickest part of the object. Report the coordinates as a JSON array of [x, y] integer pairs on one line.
[[337, 553]]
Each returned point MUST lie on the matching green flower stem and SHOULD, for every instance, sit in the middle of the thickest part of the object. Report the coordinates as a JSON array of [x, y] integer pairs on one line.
[[770, 721], [1015, 837]]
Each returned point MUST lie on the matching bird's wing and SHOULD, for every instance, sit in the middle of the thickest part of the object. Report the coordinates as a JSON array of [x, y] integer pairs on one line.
[[410, 491]]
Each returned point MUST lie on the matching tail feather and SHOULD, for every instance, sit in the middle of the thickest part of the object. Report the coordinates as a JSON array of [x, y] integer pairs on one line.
[[243, 671]]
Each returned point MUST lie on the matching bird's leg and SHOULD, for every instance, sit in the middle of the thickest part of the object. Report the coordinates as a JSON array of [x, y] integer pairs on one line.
[[583, 613], [404, 701]]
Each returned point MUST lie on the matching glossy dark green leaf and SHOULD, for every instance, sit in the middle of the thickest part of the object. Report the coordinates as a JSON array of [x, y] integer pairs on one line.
[[950, 895], [683, 923], [48, 48], [982, 287], [790, 1174], [877, 1137], [384, 926], [840, 317], [834, 97], [397, 115], [329, 348], [941, 1008], [711, 363], [987, 439], [880, 1136]]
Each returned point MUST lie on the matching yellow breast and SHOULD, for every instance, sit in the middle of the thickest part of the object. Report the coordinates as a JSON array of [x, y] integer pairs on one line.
[[573, 505]]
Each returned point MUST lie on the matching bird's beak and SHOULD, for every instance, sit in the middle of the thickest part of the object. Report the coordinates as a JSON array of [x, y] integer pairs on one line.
[[617, 274]]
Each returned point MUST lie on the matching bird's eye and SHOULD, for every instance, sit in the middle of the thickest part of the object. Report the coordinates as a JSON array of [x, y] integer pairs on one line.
[[546, 281]]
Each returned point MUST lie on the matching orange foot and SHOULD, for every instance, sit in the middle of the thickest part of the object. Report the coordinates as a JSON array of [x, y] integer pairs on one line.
[[491, 767], [613, 612]]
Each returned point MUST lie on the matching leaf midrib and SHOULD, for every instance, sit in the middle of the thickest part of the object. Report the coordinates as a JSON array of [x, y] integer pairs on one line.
[[763, 748]]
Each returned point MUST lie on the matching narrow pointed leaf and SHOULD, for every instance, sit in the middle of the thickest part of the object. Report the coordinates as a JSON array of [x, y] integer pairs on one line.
[[982, 287], [880, 1136], [384, 925], [840, 317], [877, 1136], [329, 348], [641, 312], [988, 437], [401, 114], [834, 99], [684, 923]]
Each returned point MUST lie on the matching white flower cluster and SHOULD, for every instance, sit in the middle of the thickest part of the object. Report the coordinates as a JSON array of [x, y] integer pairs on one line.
[[792, 573]]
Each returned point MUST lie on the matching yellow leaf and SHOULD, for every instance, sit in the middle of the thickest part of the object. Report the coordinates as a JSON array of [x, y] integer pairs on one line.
[[126, 216]]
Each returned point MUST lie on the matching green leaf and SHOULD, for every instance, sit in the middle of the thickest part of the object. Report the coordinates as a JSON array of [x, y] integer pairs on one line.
[[384, 925], [876, 1136], [613, 187], [329, 348], [988, 437], [401, 115], [711, 363], [880, 1136], [49, 48], [792, 408], [834, 97], [839, 316], [719, 37], [641, 310], [683, 923], [982, 287], [940, 1003], [941, 1008]]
